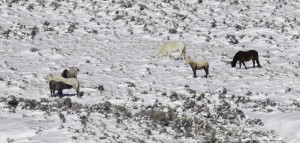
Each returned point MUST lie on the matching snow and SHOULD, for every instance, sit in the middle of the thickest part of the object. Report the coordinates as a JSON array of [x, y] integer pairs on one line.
[[114, 44]]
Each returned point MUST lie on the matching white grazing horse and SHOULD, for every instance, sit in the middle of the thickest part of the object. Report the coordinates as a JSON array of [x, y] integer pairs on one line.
[[172, 46], [198, 65], [70, 81]]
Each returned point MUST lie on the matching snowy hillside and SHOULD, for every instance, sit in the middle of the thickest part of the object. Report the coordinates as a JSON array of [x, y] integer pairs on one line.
[[131, 96]]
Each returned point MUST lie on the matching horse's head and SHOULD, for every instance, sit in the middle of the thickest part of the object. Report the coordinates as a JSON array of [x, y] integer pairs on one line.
[[49, 77], [161, 52], [188, 59], [75, 68], [233, 64], [159, 55]]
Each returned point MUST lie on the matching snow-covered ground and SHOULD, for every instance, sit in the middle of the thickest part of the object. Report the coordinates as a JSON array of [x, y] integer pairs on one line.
[[131, 96]]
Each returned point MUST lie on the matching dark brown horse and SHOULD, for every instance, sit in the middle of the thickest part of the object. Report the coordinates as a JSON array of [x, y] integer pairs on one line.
[[60, 86], [244, 56]]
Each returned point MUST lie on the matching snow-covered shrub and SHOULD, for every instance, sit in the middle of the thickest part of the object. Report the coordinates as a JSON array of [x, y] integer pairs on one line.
[[72, 27], [126, 4], [142, 7], [156, 116], [33, 49], [172, 31], [84, 120], [62, 117], [30, 7], [55, 4], [100, 88], [122, 111], [12, 101], [232, 39], [6, 33], [42, 3], [174, 96], [33, 31], [131, 84]]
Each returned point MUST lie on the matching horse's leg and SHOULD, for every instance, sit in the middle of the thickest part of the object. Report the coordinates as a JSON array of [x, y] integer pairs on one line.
[[168, 55], [51, 93], [183, 53], [206, 72], [257, 61], [78, 92], [194, 72], [253, 63], [244, 65], [240, 64], [60, 92]]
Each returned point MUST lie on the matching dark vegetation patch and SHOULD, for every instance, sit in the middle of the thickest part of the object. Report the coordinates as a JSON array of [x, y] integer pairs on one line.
[[201, 116]]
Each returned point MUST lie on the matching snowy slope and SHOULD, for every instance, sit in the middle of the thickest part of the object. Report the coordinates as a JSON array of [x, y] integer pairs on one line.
[[114, 44]]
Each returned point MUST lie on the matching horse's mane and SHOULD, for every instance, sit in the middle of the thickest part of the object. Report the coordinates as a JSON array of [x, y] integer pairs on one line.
[[236, 58], [74, 68]]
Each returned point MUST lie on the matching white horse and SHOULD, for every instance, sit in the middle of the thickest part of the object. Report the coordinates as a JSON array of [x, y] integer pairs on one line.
[[70, 81], [172, 46], [70, 72], [198, 65]]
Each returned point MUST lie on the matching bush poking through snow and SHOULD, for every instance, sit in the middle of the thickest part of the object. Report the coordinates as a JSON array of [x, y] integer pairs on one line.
[[12, 101], [33, 49], [62, 117], [6, 33], [156, 116], [205, 120], [72, 27], [100, 88], [33, 31], [131, 84], [232, 39]]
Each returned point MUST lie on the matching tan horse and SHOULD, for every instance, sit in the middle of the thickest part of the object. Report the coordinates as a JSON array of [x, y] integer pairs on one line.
[[244, 56], [198, 65], [172, 46]]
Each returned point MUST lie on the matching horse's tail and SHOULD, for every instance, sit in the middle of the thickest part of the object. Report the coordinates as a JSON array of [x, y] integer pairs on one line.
[[184, 51], [50, 86], [255, 53], [206, 68], [161, 51], [159, 55], [78, 89], [50, 77]]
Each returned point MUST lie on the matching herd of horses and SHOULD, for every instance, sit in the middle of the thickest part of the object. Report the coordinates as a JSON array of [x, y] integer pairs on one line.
[[68, 78], [177, 46]]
